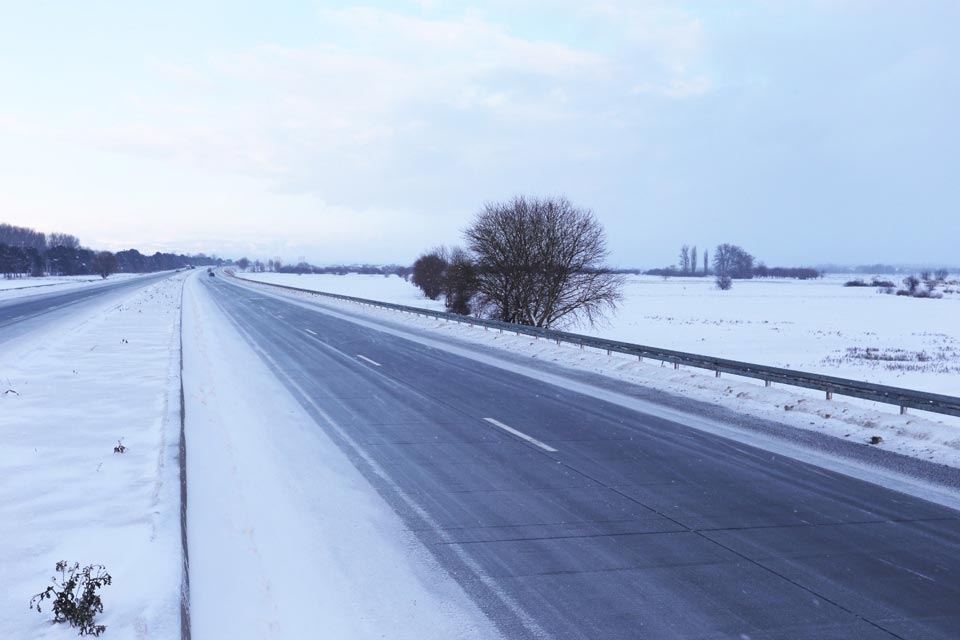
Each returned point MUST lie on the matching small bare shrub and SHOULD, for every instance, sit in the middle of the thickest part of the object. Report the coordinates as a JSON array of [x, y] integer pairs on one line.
[[724, 283], [912, 283], [74, 595]]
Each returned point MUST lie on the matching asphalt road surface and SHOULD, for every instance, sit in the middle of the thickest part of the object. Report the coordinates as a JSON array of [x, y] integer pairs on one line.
[[17, 312], [567, 517]]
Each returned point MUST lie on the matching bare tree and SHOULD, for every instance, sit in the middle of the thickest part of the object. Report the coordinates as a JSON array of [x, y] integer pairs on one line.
[[428, 272], [693, 260], [63, 240], [459, 282], [912, 283], [684, 259], [706, 262], [731, 260], [104, 263], [540, 261], [243, 263]]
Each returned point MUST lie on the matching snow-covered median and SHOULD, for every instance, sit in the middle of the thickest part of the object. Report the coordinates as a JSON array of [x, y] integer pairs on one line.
[[287, 538], [67, 395]]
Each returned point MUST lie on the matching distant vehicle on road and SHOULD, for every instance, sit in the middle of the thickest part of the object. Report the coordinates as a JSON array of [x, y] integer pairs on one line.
[[211, 274]]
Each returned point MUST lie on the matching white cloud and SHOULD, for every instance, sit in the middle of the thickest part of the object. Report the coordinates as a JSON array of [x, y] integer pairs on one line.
[[386, 115], [390, 93]]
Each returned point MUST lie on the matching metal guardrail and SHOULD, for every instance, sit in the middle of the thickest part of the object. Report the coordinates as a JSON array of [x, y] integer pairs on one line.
[[830, 385]]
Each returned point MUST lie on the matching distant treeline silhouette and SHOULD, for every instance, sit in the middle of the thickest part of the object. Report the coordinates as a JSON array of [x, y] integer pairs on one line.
[[729, 261], [27, 252]]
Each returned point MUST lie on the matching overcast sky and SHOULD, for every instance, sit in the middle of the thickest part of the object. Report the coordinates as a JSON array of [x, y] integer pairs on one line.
[[806, 130]]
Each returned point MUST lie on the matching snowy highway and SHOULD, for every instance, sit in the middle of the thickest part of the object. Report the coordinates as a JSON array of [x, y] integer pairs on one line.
[[564, 516], [36, 305]]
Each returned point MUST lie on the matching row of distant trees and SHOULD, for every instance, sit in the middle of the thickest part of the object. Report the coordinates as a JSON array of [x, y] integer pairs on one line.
[[730, 262], [302, 267], [27, 252]]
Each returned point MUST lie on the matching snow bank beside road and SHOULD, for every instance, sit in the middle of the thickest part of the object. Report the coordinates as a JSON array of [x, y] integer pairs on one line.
[[287, 538], [64, 495]]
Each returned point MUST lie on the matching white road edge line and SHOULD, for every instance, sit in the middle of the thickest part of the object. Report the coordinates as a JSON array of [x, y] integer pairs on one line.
[[310, 332], [376, 364], [521, 435]]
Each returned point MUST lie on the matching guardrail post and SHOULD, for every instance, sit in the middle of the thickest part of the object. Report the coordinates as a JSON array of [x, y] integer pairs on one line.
[[676, 365], [903, 410], [718, 373], [767, 383], [829, 395]]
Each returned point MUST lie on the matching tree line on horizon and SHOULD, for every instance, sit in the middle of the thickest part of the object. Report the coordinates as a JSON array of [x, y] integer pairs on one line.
[[276, 265], [25, 252], [730, 262]]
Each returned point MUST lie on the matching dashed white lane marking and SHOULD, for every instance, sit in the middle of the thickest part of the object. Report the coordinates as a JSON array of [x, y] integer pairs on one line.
[[310, 332], [521, 435], [376, 364]]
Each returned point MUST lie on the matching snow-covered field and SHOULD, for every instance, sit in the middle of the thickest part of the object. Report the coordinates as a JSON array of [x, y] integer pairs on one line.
[[818, 325], [68, 394], [918, 434]]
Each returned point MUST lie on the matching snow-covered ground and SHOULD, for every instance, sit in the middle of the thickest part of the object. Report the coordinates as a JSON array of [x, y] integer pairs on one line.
[[19, 287], [67, 395], [815, 325], [918, 434], [272, 499], [287, 538]]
